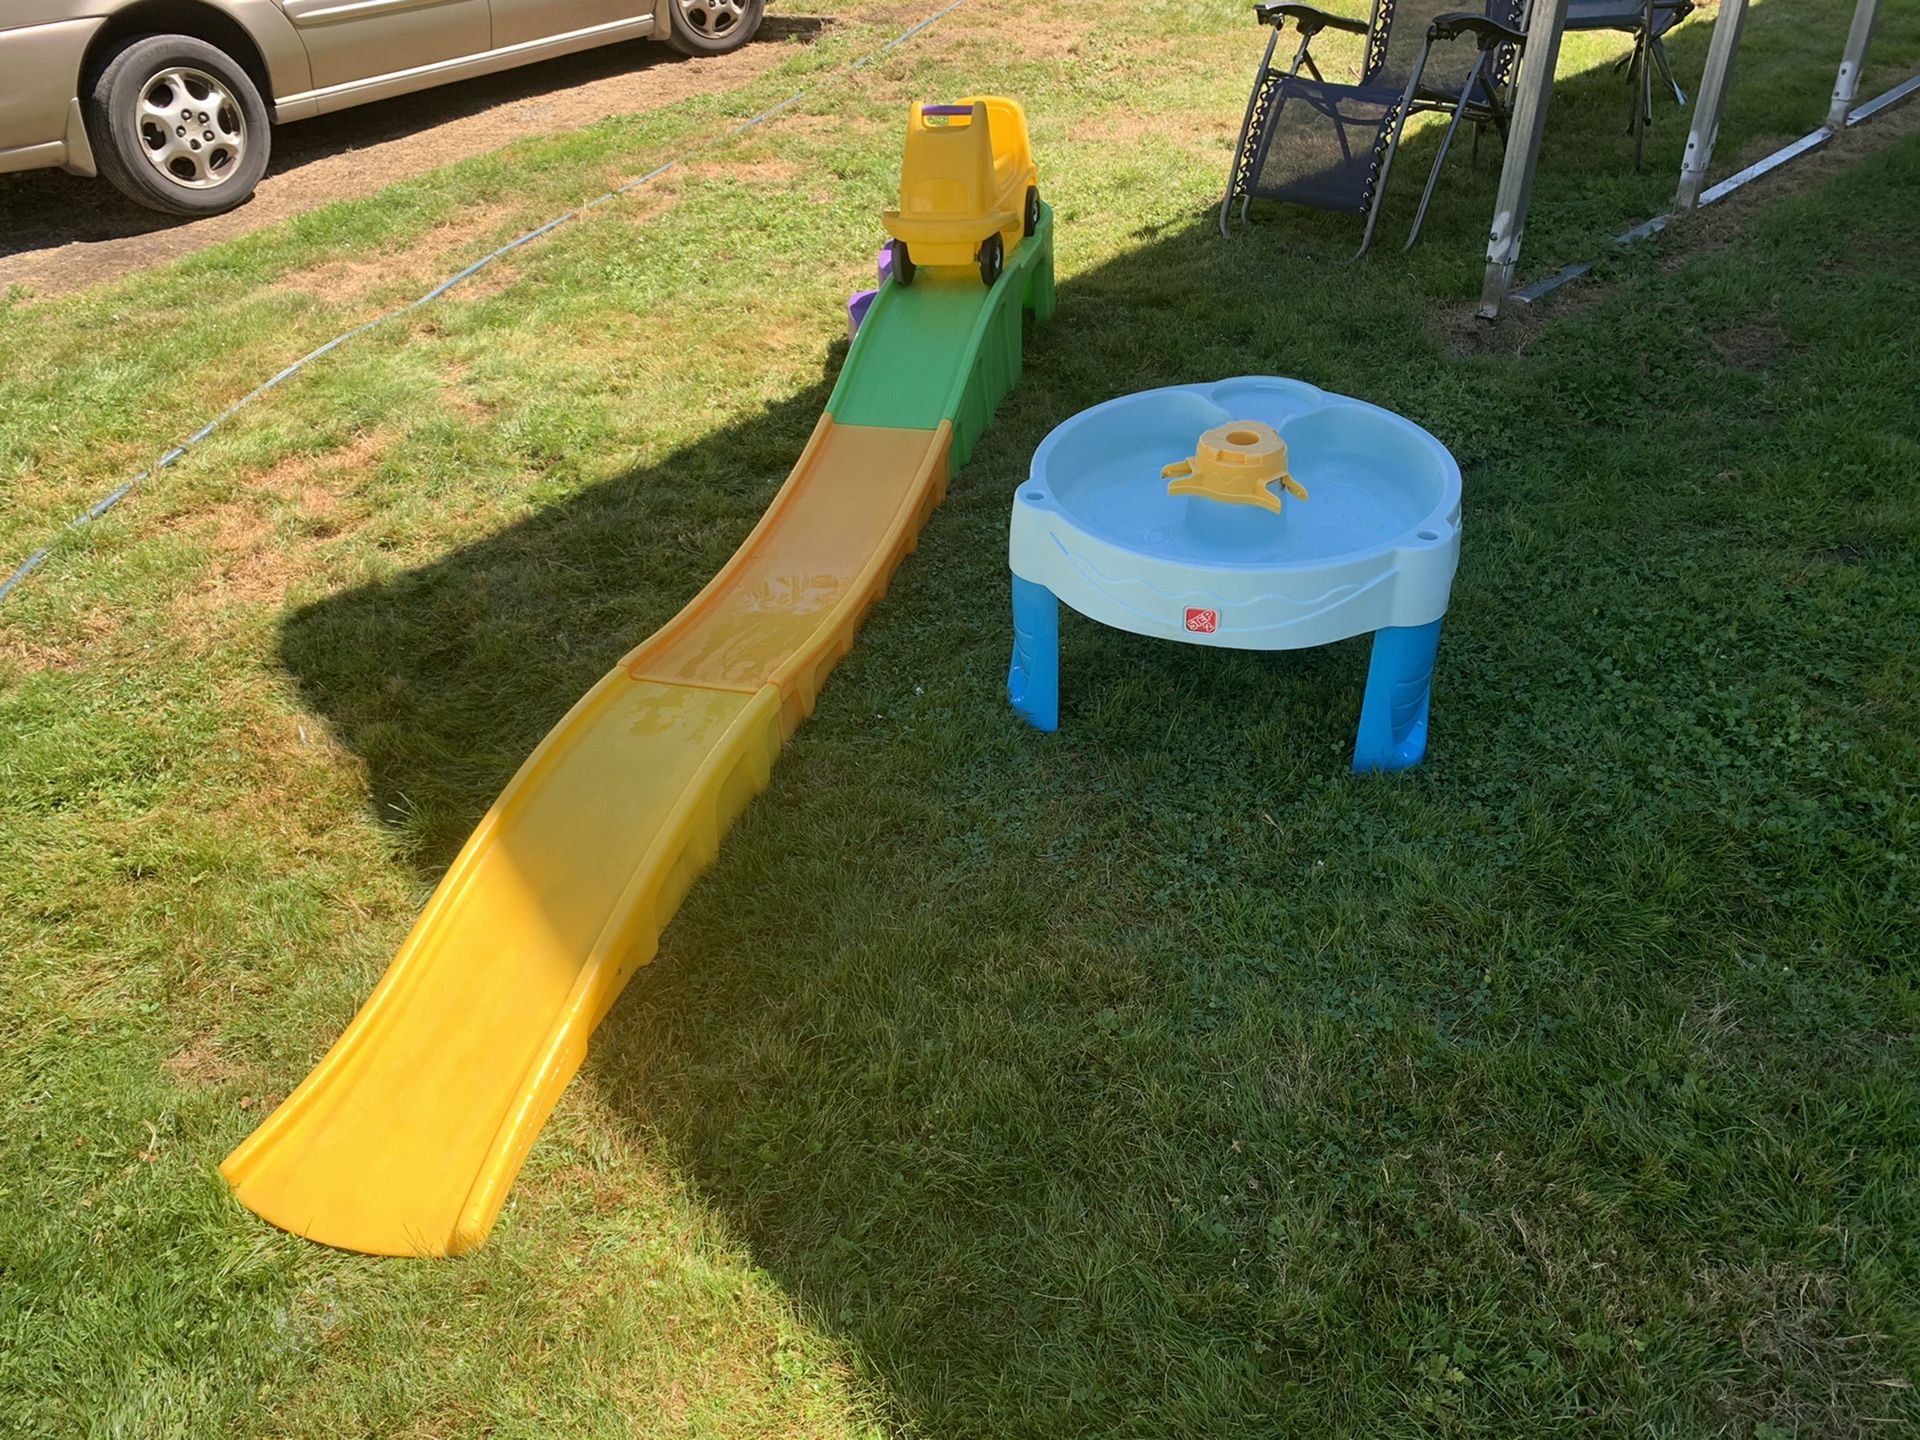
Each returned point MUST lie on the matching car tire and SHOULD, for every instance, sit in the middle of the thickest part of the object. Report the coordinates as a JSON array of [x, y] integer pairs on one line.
[[901, 266], [218, 148], [712, 27], [1031, 219]]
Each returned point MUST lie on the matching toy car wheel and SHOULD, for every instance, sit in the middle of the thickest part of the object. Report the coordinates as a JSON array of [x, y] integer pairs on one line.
[[178, 126], [991, 257], [901, 263], [712, 27], [1033, 210]]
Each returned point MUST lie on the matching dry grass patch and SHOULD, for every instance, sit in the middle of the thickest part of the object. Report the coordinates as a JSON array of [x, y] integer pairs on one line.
[[37, 652], [357, 279], [1054, 37], [313, 495], [201, 1066], [264, 538], [1202, 130], [765, 170], [350, 281], [1795, 1325], [456, 396], [832, 129], [314, 485], [243, 566]]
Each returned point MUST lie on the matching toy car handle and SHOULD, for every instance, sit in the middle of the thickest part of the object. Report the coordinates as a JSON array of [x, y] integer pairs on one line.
[[946, 109]]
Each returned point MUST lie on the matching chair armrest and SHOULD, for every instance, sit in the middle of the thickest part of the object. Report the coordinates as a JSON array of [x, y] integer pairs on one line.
[[1310, 19], [1488, 33]]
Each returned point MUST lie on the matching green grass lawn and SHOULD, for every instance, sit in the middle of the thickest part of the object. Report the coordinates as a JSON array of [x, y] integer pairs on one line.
[[1155, 1078]]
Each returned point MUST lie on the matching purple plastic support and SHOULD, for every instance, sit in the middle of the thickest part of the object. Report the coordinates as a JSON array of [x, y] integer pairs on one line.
[[858, 302], [946, 109], [857, 310]]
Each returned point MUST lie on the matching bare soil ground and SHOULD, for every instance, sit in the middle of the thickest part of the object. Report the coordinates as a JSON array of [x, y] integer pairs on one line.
[[61, 232], [1686, 236]]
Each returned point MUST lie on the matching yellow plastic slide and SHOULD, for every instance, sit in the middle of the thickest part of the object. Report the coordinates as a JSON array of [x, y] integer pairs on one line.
[[407, 1135]]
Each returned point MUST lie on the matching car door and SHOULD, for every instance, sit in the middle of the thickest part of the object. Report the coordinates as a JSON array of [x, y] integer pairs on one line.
[[517, 21], [349, 40]]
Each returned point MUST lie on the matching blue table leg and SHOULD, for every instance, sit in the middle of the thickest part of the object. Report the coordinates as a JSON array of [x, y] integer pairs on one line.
[[1033, 679], [1393, 717]]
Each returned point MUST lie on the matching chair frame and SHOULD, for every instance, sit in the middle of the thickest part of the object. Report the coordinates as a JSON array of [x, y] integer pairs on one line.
[[1488, 106], [1649, 54]]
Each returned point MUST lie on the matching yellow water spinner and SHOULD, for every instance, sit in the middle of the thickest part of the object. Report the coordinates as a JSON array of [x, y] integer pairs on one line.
[[1236, 463]]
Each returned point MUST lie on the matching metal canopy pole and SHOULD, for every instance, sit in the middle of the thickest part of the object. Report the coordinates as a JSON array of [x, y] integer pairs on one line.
[[1846, 85], [1524, 132], [1706, 108]]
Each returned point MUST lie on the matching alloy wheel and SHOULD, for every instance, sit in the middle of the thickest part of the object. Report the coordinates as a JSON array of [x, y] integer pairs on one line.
[[192, 129]]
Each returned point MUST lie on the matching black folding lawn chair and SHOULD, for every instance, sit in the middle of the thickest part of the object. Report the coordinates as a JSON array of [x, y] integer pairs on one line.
[[1331, 145], [1648, 21]]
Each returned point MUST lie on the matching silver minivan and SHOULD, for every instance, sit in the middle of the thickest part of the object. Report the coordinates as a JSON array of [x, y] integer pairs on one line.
[[174, 100]]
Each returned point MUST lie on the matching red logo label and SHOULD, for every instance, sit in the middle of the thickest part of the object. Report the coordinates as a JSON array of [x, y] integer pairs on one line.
[[1203, 622]]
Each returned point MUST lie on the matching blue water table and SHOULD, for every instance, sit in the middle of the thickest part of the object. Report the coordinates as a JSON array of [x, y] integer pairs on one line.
[[1257, 514]]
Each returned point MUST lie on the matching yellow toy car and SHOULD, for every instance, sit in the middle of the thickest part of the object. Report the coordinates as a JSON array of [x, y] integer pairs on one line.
[[969, 192]]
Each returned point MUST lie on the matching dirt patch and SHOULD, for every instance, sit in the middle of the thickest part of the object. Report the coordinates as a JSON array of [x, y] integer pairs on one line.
[[65, 233], [1462, 331], [201, 1065], [1790, 1325], [1719, 223], [1687, 238], [1753, 348]]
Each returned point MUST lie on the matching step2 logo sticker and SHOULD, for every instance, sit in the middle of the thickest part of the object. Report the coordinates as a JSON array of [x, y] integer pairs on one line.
[[1202, 622]]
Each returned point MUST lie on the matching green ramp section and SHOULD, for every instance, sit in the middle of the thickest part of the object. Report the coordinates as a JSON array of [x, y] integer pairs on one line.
[[946, 347]]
